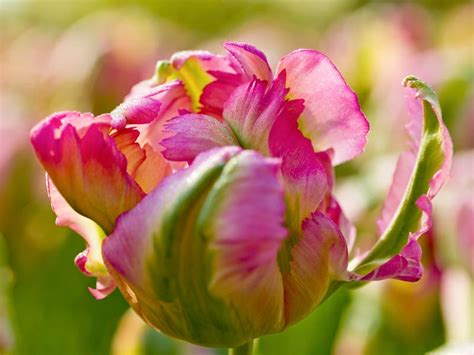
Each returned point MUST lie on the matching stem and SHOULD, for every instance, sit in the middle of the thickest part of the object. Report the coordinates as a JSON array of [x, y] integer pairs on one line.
[[246, 349]]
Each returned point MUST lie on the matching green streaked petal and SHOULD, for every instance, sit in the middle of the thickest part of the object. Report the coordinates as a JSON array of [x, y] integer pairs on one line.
[[430, 169]]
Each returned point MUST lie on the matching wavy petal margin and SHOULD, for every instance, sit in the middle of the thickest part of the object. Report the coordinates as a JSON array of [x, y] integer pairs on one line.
[[420, 174], [332, 116]]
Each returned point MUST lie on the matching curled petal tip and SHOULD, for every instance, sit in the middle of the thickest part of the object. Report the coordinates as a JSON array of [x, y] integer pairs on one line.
[[423, 91]]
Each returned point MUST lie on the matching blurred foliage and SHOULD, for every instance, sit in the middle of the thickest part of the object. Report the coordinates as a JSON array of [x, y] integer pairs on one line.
[[85, 55]]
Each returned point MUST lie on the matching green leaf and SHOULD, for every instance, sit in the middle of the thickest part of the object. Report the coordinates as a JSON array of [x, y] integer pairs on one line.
[[429, 160]]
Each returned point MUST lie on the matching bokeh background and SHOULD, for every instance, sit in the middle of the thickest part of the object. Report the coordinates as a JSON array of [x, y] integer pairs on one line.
[[85, 56]]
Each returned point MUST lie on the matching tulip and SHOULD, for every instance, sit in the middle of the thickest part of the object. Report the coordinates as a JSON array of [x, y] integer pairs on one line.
[[232, 231]]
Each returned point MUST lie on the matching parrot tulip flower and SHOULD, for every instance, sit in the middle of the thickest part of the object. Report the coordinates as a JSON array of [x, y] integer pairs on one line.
[[207, 196]]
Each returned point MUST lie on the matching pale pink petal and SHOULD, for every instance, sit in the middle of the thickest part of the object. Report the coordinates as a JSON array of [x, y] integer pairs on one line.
[[145, 105], [207, 60], [303, 171], [194, 134], [251, 60], [89, 261], [174, 101], [332, 116], [104, 287], [400, 181]]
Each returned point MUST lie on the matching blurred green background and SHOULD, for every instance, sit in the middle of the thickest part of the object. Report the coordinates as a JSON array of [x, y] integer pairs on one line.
[[85, 56]]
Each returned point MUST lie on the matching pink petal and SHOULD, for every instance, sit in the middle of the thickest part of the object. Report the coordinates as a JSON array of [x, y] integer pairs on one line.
[[147, 166], [332, 116], [400, 180], [408, 260], [145, 106], [207, 60], [86, 166], [335, 212], [407, 161], [130, 245], [252, 61], [172, 102], [89, 261], [318, 256], [406, 266], [152, 170], [219, 221], [103, 288], [244, 221], [194, 134], [252, 109], [217, 92], [304, 173]]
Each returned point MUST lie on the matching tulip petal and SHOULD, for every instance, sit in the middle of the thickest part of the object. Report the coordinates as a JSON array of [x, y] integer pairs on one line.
[[405, 266], [251, 60], [173, 100], [420, 174], [243, 218], [138, 109], [194, 134], [332, 116], [252, 109], [158, 260], [317, 257], [167, 251], [335, 212], [191, 68], [89, 261], [131, 243], [304, 172], [215, 94], [207, 60], [147, 166], [147, 104], [86, 166]]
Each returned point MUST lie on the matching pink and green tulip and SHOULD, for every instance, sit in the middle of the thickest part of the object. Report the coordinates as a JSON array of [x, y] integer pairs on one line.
[[206, 197]]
